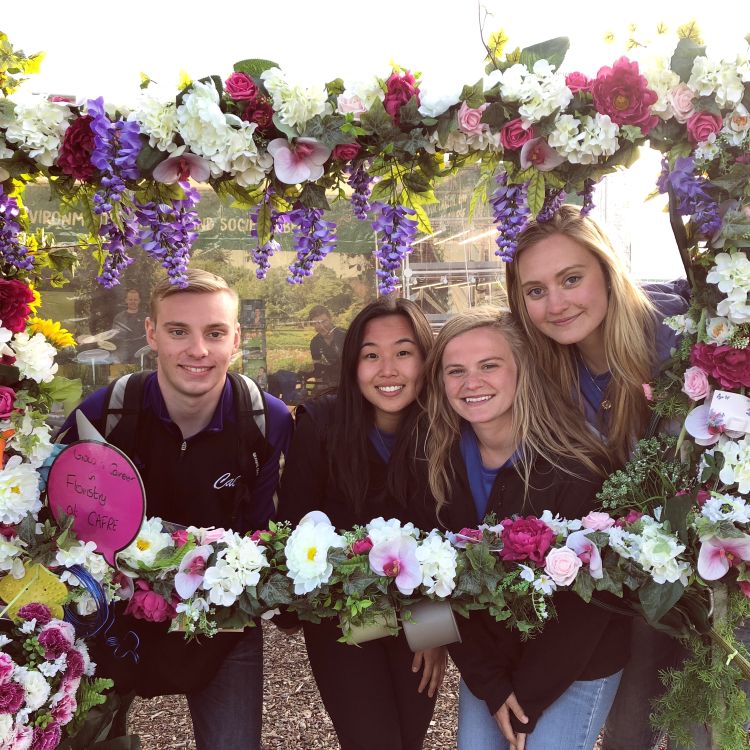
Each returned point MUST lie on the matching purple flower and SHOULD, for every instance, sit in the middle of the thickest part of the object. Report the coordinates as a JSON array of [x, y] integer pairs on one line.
[[35, 611], [261, 254], [689, 191], [553, 199], [168, 231], [396, 231], [12, 697], [47, 738], [361, 183], [588, 196], [56, 638], [12, 252], [313, 238], [75, 665], [511, 215]]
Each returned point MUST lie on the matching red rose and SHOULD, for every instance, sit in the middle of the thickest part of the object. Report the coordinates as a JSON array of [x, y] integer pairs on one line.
[[702, 124], [399, 91], [623, 93], [732, 367], [578, 82], [15, 297], [526, 538], [7, 399], [241, 87], [76, 150], [148, 605], [261, 112], [346, 151], [513, 135], [362, 546]]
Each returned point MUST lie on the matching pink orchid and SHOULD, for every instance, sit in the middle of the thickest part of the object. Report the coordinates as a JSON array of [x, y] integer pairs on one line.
[[190, 575], [538, 153], [717, 555], [207, 535], [587, 551], [299, 161], [182, 166], [397, 558]]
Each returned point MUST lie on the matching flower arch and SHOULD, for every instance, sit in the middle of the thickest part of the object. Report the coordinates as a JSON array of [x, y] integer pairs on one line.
[[283, 151]]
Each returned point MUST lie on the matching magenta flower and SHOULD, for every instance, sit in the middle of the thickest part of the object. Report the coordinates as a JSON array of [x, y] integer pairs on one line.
[[299, 161], [538, 153], [190, 575], [587, 552], [717, 555], [397, 558], [362, 546], [181, 167]]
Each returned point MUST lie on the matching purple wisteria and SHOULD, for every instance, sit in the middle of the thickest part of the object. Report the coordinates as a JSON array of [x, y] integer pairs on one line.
[[553, 199], [261, 254], [588, 196], [116, 148], [168, 231], [511, 214], [690, 193], [12, 252], [312, 237], [397, 231], [361, 183]]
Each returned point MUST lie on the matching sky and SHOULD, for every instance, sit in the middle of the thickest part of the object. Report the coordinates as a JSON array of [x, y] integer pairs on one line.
[[95, 48]]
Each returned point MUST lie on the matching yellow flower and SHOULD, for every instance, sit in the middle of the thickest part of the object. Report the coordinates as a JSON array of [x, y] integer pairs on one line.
[[52, 331], [36, 304]]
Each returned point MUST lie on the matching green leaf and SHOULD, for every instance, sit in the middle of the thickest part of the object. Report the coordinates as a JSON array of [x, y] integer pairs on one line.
[[335, 87], [658, 598], [376, 120], [684, 57], [287, 130], [328, 130], [706, 104], [416, 181], [676, 511], [423, 220], [276, 590], [553, 50], [263, 224], [314, 196], [254, 66], [409, 113], [473, 95], [536, 193], [9, 375], [495, 116], [62, 389], [584, 586]]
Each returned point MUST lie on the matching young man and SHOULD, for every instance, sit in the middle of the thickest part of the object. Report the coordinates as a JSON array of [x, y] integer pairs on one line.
[[200, 468], [131, 334], [325, 347]]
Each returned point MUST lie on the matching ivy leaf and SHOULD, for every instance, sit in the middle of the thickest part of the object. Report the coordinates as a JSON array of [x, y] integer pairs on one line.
[[684, 57], [706, 104], [335, 87], [658, 598], [328, 130], [277, 589], [536, 193], [553, 50], [676, 511], [376, 120], [495, 116], [314, 196], [584, 586], [409, 113], [254, 66], [416, 181], [473, 95]]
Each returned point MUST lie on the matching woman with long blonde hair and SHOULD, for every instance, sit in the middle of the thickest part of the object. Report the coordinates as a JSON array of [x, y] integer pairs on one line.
[[499, 439], [602, 336]]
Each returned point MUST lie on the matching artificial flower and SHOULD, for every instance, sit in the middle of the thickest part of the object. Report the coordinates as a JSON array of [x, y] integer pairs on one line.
[[58, 336], [438, 560], [35, 357], [538, 153], [695, 384], [190, 573], [717, 555], [562, 565], [150, 541], [19, 491], [397, 559], [526, 539], [299, 161], [240, 87], [15, 304], [181, 167], [306, 553]]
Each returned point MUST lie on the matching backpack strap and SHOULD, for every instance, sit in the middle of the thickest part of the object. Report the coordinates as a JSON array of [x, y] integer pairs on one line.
[[124, 404]]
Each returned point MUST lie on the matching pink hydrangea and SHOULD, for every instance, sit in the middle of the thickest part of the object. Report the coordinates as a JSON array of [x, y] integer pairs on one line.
[[623, 93]]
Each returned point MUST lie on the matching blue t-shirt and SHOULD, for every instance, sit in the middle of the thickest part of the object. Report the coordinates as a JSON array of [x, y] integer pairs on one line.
[[383, 443]]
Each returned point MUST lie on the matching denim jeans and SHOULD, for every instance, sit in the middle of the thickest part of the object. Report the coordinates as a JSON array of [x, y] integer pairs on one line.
[[227, 712], [572, 722]]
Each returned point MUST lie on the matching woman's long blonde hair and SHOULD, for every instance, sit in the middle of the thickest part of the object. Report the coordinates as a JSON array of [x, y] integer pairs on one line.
[[628, 329], [543, 423]]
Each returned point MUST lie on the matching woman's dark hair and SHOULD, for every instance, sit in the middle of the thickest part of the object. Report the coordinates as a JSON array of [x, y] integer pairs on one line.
[[353, 414]]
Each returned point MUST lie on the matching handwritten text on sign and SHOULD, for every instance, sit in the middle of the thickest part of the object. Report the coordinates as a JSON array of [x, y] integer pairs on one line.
[[98, 485]]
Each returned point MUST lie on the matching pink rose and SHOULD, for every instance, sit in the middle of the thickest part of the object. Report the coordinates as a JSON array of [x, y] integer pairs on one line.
[[180, 537], [597, 521], [703, 124], [148, 605], [353, 105], [513, 134], [562, 565], [6, 668], [577, 82], [632, 517], [623, 93], [680, 99], [7, 399], [399, 91], [346, 151], [241, 87], [362, 546], [525, 538], [695, 384], [470, 119]]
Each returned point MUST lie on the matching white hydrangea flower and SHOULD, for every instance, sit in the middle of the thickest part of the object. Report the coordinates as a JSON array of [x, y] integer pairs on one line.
[[157, 118], [542, 93], [32, 439], [511, 81], [307, 554], [19, 491], [38, 129], [295, 104], [682, 324], [719, 330], [707, 150], [736, 469], [437, 558], [245, 556], [658, 555], [726, 508], [35, 686], [202, 124], [85, 555], [10, 556], [722, 78], [147, 545], [379, 530], [241, 158], [223, 583], [461, 143], [736, 125], [625, 543], [704, 76], [35, 357], [662, 80], [735, 306], [584, 140], [731, 273], [5, 152]]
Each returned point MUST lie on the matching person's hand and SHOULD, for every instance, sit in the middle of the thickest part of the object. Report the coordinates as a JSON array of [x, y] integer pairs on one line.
[[435, 661], [502, 717]]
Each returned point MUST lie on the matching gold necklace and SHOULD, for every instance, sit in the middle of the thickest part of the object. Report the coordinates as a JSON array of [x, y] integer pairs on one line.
[[606, 403]]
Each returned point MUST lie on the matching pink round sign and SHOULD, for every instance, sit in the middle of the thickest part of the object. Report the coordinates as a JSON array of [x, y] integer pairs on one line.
[[99, 486]]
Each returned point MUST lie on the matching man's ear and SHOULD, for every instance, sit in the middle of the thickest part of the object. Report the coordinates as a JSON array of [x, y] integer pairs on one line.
[[236, 337], [150, 333]]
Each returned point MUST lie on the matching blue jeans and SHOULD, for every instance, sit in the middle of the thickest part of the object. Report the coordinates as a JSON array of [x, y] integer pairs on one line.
[[227, 712], [572, 722]]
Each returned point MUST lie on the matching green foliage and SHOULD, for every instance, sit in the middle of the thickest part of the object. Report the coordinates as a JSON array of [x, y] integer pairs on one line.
[[90, 694], [254, 66], [684, 57], [553, 50]]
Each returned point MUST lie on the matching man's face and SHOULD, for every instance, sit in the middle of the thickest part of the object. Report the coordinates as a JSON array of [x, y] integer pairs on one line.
[[322, 324], [132, 300], [195, 336]]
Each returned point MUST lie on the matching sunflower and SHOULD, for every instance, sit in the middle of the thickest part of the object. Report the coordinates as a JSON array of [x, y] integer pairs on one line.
[[58, 336]]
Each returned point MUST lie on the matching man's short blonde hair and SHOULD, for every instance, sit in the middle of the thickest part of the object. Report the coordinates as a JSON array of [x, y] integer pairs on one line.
[[198, 282]]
